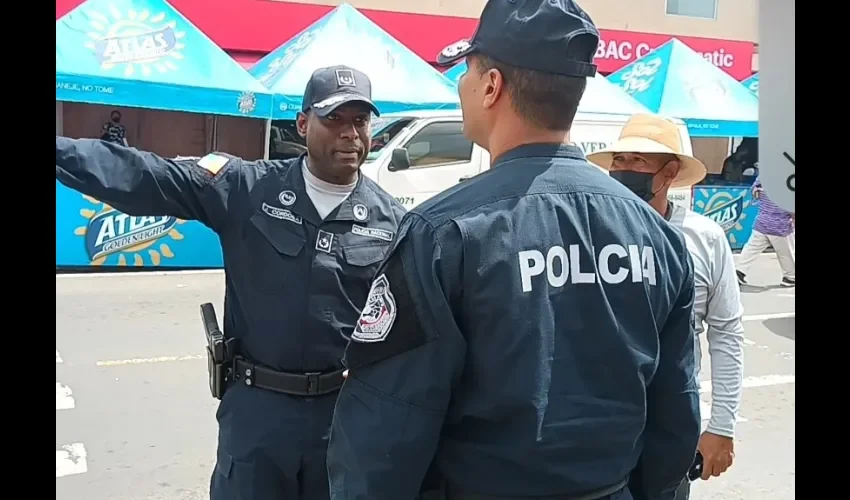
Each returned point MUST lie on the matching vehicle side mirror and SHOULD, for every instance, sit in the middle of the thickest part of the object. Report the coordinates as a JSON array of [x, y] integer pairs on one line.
[[400, 160]]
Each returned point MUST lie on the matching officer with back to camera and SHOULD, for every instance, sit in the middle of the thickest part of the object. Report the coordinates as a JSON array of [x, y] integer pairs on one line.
[[530, 334], [301, 239]]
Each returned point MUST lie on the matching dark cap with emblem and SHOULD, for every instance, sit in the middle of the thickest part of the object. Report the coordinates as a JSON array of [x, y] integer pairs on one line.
[[553, 36], [330, 88]]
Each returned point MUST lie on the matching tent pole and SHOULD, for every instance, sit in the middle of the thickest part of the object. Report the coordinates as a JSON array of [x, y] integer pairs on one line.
[[215, 133], [267, 139], [60, 118]]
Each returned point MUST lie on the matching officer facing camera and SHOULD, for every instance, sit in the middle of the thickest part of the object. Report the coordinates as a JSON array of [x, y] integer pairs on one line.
[[302, 239]]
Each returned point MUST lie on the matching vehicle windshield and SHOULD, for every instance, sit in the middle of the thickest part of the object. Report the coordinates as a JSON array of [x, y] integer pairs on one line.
[[384, 130]]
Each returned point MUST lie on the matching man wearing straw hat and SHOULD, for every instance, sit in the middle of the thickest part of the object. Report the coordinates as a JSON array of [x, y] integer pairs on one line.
[[648, 159], [530, 333]]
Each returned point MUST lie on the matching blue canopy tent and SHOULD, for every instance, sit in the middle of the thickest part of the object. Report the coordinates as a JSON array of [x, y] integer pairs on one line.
[[142, 54], [601, 96], [752, 83], [145, 54], [401, 80], [675, 81]]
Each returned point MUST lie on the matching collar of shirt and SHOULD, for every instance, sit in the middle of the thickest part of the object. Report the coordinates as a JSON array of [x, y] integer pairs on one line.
[[325, 187], [303, 206], [541, 150]]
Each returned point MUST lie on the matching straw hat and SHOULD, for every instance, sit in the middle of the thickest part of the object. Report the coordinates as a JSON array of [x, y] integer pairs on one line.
[[652, 134]]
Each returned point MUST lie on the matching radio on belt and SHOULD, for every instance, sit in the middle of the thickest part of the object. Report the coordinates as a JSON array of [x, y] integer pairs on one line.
[[219, 351]]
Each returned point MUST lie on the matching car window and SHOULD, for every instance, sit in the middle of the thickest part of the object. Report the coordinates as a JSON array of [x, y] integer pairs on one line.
[[383, 131], [439, 144]]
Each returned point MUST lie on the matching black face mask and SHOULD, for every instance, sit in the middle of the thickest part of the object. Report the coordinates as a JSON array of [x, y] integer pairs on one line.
[[116, 119], [640, 183]]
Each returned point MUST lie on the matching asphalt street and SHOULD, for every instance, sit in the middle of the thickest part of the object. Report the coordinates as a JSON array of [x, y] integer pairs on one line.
[[134, 418]]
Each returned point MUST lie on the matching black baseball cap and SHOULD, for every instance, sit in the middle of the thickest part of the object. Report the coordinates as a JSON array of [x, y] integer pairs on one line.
[[330, 88], [553, 36]]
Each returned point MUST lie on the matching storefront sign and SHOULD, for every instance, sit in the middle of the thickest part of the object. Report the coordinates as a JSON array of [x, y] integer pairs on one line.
[[92, 233], [618, 48], [732, 208]]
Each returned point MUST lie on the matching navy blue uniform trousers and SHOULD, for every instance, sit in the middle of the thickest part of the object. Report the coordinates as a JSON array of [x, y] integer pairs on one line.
[[261, 459]]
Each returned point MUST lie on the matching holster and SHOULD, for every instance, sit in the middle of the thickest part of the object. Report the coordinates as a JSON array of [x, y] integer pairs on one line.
[[219, 352]]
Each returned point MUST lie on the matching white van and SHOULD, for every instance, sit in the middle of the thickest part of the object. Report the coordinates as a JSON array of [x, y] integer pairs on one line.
[[418, 154]]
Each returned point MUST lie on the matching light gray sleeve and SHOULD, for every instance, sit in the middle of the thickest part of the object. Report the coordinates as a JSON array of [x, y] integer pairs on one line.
[[724, 319]]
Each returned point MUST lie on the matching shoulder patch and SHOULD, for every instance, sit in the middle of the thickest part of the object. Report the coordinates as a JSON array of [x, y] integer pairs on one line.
[[378, 316], [213, 162]]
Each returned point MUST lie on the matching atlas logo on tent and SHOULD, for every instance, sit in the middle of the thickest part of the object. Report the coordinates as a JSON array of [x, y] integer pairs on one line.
[[639, 78], [246, 103], [614, 264], [724, 210], [135, 40], [113, 233]]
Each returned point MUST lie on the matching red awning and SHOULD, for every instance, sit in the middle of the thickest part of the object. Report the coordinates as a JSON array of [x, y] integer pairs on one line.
[[245, 59]]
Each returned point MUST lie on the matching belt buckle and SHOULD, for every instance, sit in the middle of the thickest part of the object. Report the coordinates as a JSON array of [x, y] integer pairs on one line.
[[313, 383]]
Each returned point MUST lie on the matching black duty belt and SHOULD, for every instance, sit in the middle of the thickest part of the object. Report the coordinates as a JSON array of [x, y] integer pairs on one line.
[[296, 384], [455, 493]]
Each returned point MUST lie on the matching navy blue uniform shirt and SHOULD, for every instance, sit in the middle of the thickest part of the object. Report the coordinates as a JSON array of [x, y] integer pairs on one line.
[[295, 283], [531, 332]]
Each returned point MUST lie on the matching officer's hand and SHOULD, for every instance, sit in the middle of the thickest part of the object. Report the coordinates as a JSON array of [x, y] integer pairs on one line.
[[718, 452], [345, 374]]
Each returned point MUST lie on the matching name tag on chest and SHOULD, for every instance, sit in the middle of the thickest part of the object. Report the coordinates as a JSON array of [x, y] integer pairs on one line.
[[371, 232]]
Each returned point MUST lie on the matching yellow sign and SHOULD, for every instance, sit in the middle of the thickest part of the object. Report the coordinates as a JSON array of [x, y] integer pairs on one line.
[[111, 233]]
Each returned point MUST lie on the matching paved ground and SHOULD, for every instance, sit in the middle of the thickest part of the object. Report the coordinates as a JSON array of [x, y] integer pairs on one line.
[[135, 420]]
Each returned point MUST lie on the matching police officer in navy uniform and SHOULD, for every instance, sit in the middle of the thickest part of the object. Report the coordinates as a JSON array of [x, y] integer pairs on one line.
[[302, 240], [530, 334]]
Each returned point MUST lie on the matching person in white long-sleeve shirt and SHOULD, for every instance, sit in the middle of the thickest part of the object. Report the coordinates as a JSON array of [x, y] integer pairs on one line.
[[648, 159]]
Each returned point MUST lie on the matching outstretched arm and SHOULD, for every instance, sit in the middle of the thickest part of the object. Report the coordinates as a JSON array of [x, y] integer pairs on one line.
[[142, 183]]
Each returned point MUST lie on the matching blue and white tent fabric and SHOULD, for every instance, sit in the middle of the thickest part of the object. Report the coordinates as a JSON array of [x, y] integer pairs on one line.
[[455, 72], [675, 81], [601, 96], [752, 83], [145, 54], [401, 80]]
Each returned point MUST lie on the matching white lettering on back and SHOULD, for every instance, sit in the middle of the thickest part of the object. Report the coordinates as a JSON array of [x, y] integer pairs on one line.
[[564, 267]]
